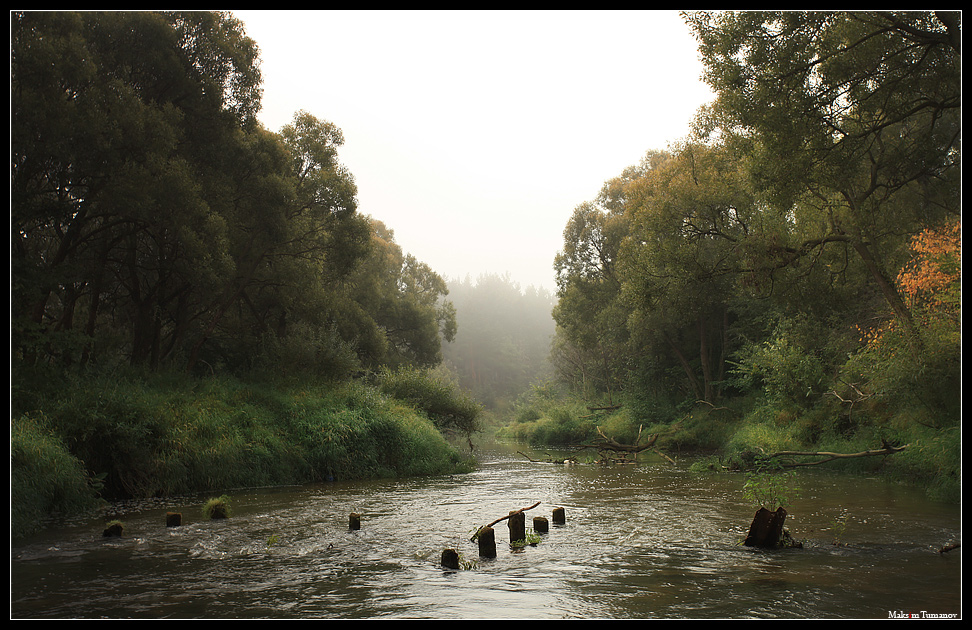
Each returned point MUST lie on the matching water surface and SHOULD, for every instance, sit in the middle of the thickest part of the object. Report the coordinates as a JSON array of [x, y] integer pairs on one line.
[[645, 541]]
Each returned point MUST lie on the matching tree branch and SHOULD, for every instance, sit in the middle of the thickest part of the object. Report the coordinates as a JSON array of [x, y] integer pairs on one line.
[[886, 449]]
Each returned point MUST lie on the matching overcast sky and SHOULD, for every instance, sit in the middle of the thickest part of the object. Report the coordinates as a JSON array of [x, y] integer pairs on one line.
[[473, 135]]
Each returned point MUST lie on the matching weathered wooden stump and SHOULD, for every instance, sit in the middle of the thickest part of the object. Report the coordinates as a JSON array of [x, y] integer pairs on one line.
[[173, 519], [487, 542], [450, 559], [766, 529], [540, 524], [354, 521], [113, 529], [559, 516], [517, 523]]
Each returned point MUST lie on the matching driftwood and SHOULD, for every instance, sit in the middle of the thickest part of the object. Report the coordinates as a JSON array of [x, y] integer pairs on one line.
[[948, 548], [886, 449], [520, 511]]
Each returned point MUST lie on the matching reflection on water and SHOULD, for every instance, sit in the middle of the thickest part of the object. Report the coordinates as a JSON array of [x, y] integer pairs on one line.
[[642, 541]]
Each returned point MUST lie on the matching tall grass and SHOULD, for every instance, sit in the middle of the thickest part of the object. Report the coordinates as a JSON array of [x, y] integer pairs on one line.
[[167, 435], [45, 478]]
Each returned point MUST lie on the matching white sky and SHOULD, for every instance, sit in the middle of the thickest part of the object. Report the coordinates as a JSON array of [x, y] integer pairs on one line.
[[473, 135]]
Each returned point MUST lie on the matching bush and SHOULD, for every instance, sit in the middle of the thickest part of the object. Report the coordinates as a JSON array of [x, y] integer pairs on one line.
[[444, 403]]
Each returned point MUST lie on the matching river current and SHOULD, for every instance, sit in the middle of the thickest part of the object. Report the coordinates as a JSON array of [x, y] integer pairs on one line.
[[643, 541]]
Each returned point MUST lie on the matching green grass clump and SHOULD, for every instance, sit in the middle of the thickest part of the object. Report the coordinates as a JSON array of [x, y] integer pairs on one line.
[[218, 507]]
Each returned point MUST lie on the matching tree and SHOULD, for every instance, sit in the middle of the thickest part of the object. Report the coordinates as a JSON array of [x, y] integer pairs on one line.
[[689, 219], [852, 120], [502, 343], [931, 280], [592, 331], [399, 306], [112, 117]]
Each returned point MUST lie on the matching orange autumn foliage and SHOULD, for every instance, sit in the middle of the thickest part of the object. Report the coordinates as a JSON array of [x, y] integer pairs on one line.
[[931, 278]]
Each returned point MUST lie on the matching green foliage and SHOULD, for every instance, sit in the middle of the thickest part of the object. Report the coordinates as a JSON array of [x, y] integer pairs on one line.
[[162, 435], [770, 486], [561, 422], [45, 477], [443, 401], [786, 372]]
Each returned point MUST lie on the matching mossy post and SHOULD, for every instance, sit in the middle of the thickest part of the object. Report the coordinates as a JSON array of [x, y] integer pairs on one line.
[[354, 521], [517, 523], [559, 516], [450, 559], [540, 524], [487, 542], [114, 528], [173, 519]]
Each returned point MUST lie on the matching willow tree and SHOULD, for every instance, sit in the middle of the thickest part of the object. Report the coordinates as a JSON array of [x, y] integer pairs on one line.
[[689, 225], [852, 120]]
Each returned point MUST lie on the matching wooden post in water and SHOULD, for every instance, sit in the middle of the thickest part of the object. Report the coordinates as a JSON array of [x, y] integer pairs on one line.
[[540, 524], [354, 521], [450, 559], [766, 529], [517, 523], [114, 528], [559, 516], [173, 519], [487, 542]]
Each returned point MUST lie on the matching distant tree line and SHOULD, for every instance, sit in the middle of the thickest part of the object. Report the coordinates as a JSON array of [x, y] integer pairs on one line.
[[502, 346], [804, 243], [156, 223]]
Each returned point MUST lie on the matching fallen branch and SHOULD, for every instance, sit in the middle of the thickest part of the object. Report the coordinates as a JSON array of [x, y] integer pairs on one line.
[[476, 535], [611, 445], [547, 461], [886, 449]]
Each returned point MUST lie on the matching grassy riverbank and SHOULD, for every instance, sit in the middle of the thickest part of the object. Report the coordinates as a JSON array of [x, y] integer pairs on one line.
[[76, 440], [738, 430]]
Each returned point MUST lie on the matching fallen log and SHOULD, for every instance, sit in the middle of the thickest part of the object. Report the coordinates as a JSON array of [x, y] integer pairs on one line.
[[521, 510], [886, 449]]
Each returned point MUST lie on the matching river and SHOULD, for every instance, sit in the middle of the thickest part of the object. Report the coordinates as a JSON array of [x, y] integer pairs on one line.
[[645, 541]]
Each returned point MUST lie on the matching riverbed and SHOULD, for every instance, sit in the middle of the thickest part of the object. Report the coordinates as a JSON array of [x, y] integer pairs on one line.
[[641, 541]]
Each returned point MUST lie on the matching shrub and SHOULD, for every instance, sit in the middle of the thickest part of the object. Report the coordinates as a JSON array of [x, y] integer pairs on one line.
[[444, 403]]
